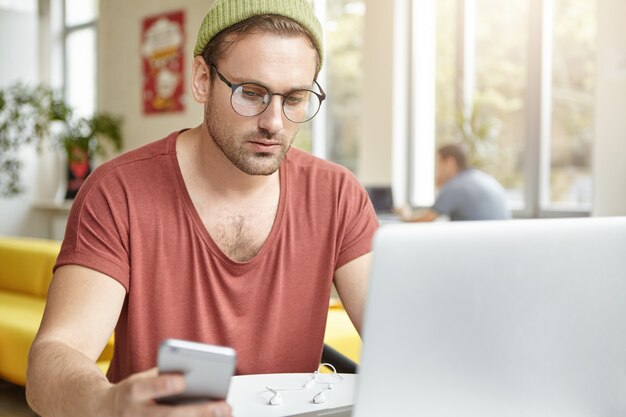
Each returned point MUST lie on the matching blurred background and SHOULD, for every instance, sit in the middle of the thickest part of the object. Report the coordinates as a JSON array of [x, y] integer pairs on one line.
[[536, 89]]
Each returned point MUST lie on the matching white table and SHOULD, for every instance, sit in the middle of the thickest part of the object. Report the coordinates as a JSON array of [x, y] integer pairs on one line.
[[249, 398]]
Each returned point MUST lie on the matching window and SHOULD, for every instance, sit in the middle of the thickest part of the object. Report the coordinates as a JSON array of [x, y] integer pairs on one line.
[[344, 44], [79, 75], [334, 132], [573, 98], [515, 81], [69, 60], [446, 74], [499, 100]]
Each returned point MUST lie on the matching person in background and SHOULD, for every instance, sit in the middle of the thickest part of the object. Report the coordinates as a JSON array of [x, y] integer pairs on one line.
[[464, 193], [221, 233]]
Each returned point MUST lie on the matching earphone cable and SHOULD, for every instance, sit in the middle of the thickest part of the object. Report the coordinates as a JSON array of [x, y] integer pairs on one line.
[[315, 377]]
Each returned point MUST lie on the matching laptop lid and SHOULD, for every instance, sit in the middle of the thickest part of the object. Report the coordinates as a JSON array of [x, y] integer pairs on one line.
[[381, 197], [507, 318]]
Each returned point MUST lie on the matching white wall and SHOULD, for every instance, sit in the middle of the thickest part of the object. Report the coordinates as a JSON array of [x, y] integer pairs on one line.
[[18, 55], [609, 162], [120, 81], [374, 166]]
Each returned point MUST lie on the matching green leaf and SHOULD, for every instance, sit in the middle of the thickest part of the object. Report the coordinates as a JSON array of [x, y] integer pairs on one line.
[[26, 113]]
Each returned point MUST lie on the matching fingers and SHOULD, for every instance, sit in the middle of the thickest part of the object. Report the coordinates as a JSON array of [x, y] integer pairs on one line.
[[148, 385], [161, 386], [135, 397], [219, 409], [209, 409]]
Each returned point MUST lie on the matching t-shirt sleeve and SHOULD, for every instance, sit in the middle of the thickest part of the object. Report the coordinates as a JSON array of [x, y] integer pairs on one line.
[[359, 222], [447, 201], [97, 235]]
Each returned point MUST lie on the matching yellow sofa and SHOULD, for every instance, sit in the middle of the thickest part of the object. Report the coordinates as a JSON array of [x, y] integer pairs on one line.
[[25, 274]]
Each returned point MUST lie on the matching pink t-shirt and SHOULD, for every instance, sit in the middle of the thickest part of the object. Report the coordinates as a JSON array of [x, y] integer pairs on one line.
[[134, 221]]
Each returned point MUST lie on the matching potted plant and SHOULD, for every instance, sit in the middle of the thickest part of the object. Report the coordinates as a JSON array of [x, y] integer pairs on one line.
[[84, 138], [38, 115]]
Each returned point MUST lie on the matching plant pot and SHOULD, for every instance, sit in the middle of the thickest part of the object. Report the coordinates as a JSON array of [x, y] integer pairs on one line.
[[78, 168]]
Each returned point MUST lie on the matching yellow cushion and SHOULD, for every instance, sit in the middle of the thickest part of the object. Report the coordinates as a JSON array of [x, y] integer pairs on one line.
[[27, 264], [20, 316], [341, 334]]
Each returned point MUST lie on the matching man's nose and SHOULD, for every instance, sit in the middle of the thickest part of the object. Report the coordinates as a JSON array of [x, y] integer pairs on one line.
[[272, 118]]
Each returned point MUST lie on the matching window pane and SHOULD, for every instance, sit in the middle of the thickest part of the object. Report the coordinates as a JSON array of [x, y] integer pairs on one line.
[[499, 114], [304, 139], [446, 97], [80, 69], [573, 95], [80, 11], [344, 58]]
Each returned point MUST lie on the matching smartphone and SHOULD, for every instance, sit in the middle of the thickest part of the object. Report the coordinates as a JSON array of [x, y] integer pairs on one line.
[[207, 369]]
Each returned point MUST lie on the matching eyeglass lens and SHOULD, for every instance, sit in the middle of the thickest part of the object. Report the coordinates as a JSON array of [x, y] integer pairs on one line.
[[252, 99]]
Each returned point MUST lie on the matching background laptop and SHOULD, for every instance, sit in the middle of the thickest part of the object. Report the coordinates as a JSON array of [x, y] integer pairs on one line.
[[382, 200], [509, 318], [381, 197]]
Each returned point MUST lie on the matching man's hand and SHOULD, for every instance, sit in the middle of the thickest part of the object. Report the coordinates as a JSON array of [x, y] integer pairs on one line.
[[63, 379], [423, 215], [136, 395]]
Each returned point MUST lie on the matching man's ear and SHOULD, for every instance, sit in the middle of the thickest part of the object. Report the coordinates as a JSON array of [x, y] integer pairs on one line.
[[200, 80], [452, 166]]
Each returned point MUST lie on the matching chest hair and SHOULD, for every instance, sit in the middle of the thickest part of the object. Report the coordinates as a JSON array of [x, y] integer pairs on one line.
[[240, 235]]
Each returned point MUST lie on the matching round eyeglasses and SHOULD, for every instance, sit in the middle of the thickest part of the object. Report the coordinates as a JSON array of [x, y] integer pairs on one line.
[[251, 99]]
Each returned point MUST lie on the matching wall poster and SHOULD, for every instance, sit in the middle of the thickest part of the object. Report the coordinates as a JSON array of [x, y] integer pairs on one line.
[[162, 50]]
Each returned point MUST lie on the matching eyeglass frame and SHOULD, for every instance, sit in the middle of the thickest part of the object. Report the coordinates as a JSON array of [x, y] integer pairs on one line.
[[235, 86]]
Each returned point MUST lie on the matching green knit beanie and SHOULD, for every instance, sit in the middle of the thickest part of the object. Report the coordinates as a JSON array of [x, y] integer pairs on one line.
[[225, 13]]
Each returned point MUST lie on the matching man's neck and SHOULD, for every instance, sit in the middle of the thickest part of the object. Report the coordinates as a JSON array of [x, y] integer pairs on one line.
[[213, 170]]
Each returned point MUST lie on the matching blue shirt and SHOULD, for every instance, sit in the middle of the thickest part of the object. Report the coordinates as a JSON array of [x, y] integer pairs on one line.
[[472, 195]]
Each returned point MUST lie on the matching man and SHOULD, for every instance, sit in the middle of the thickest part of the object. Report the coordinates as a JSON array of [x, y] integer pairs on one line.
[[220, 233], [464, 193]]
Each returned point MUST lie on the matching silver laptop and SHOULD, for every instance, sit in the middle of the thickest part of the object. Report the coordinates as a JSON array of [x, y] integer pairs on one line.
[[508, 318]]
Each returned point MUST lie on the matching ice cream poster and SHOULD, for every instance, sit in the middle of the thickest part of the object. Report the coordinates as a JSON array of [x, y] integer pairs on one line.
[[162, 50]]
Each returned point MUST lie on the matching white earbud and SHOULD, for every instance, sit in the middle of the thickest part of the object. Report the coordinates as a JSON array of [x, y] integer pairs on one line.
[[311, 381], [320, 398], [276, 399], [315, 378]]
